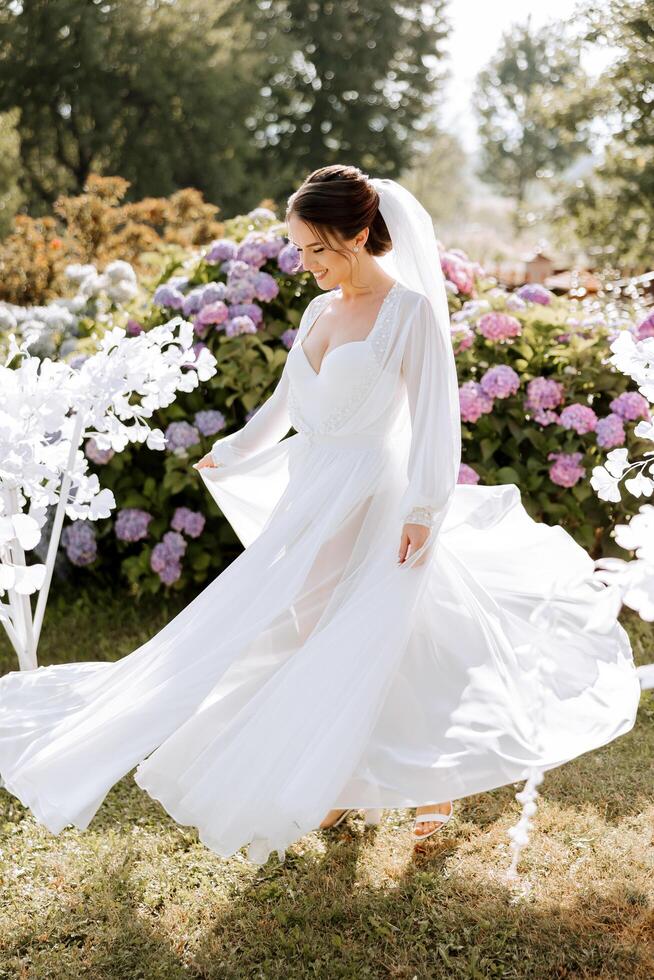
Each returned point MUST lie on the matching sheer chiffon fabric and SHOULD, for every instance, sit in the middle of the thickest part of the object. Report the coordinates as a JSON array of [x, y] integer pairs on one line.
[[315, 671]]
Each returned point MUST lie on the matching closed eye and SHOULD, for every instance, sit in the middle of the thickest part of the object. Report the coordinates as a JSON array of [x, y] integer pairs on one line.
[[299, 247]]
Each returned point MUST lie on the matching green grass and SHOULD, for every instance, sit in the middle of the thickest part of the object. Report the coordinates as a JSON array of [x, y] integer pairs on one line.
[[137, 896]]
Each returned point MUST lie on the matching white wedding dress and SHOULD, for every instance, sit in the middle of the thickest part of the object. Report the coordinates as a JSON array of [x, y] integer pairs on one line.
[[315, 671]]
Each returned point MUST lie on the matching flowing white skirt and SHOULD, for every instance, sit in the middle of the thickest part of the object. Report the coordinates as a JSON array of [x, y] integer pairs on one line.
[[315, 672]]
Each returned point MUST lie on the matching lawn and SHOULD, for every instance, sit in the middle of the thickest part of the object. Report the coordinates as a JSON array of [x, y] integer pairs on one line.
[[137, 896]]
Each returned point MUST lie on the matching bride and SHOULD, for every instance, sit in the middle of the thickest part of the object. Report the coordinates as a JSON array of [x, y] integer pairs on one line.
[[380, 640]]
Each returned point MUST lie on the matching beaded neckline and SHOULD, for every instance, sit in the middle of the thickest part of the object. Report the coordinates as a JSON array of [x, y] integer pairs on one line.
[[348, 343]]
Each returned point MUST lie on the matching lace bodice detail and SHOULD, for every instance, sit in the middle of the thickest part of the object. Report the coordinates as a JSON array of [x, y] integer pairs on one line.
[[358, 390], [348, 395]]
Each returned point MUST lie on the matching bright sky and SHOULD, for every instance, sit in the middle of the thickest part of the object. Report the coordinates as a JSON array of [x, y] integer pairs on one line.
[[477, 29]]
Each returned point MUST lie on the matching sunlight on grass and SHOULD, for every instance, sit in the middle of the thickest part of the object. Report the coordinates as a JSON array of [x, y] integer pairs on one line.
[[136, 895]]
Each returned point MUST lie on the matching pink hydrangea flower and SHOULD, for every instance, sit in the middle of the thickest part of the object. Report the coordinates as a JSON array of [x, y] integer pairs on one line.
[[646, 328], [579, 417], [467, 474], [610, 431], [474, 402], [458, 271], [238, 325], [499, 326], [212, 313], [545, 416], [500, 381], [565, 471], [543, 393], [630, 405]]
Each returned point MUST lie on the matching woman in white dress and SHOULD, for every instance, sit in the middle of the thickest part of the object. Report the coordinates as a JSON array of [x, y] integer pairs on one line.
[[377, 643]]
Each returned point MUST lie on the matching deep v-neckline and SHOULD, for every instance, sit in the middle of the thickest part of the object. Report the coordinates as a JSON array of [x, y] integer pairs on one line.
[[348, 343]]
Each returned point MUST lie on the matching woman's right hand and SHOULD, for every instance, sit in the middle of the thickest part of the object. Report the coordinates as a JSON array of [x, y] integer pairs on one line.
[[205, 461]]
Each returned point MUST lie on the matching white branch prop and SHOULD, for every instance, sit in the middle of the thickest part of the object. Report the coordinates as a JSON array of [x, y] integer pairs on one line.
[[45, 408], [55, 534]]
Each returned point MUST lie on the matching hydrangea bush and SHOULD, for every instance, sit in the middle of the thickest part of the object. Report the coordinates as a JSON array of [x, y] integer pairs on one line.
[[540, 402]]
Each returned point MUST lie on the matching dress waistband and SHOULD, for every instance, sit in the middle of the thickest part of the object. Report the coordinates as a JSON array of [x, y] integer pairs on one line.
[[345, 440]]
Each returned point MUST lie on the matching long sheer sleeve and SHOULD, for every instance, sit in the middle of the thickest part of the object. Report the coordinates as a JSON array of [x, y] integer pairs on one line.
[[435, 448], [265, 428], [271, 421]]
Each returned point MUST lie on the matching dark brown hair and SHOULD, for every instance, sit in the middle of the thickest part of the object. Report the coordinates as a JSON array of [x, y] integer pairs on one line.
[[340, 201]]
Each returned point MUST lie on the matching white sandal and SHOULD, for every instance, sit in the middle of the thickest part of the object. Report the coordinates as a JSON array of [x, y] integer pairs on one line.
[[433, 815]]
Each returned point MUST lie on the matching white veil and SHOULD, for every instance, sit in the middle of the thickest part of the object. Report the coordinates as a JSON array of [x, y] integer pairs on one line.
[[414, 260]]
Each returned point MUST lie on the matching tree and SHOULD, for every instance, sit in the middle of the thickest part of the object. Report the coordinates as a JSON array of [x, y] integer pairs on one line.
[[532, 103], [347, 82], [439, 177], [154, 92], [612, 209]]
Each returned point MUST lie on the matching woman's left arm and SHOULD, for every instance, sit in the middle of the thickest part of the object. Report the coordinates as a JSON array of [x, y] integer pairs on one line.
[[435, 450]]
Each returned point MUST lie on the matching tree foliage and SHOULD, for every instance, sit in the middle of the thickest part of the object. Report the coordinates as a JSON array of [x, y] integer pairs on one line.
[[237, 98], [532, 103], [612, 210]]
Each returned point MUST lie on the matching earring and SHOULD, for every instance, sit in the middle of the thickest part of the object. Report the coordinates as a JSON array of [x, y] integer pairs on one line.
[[356, 248]]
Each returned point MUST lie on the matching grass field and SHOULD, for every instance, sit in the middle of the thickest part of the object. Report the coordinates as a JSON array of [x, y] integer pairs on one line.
[[137, 896]]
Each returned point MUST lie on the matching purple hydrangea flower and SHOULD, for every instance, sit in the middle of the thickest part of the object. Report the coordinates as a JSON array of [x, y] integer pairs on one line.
[[499, 326], [288, 337], [79, 541], [239, 325], [171, 298], [188, 521], [514, 302], [132, 524], [252, 252], [566, 469], [236, 269], [178, 282], [288, 259], [247, 309], [630, 405], [241, 290], [474, 402], [579, 417], [610, 431], [192, 301], [165, 558], [261, 214], [133, 328], [272, 245], [212, 292], [181, 435], [467, 474], [500, 381], [97, 456], [266, 287], [174, 543], [533, 292], [209, 421], [221, 250]]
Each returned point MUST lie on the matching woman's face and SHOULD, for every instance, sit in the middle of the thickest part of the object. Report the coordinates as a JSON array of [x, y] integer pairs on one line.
[[328, 267]]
